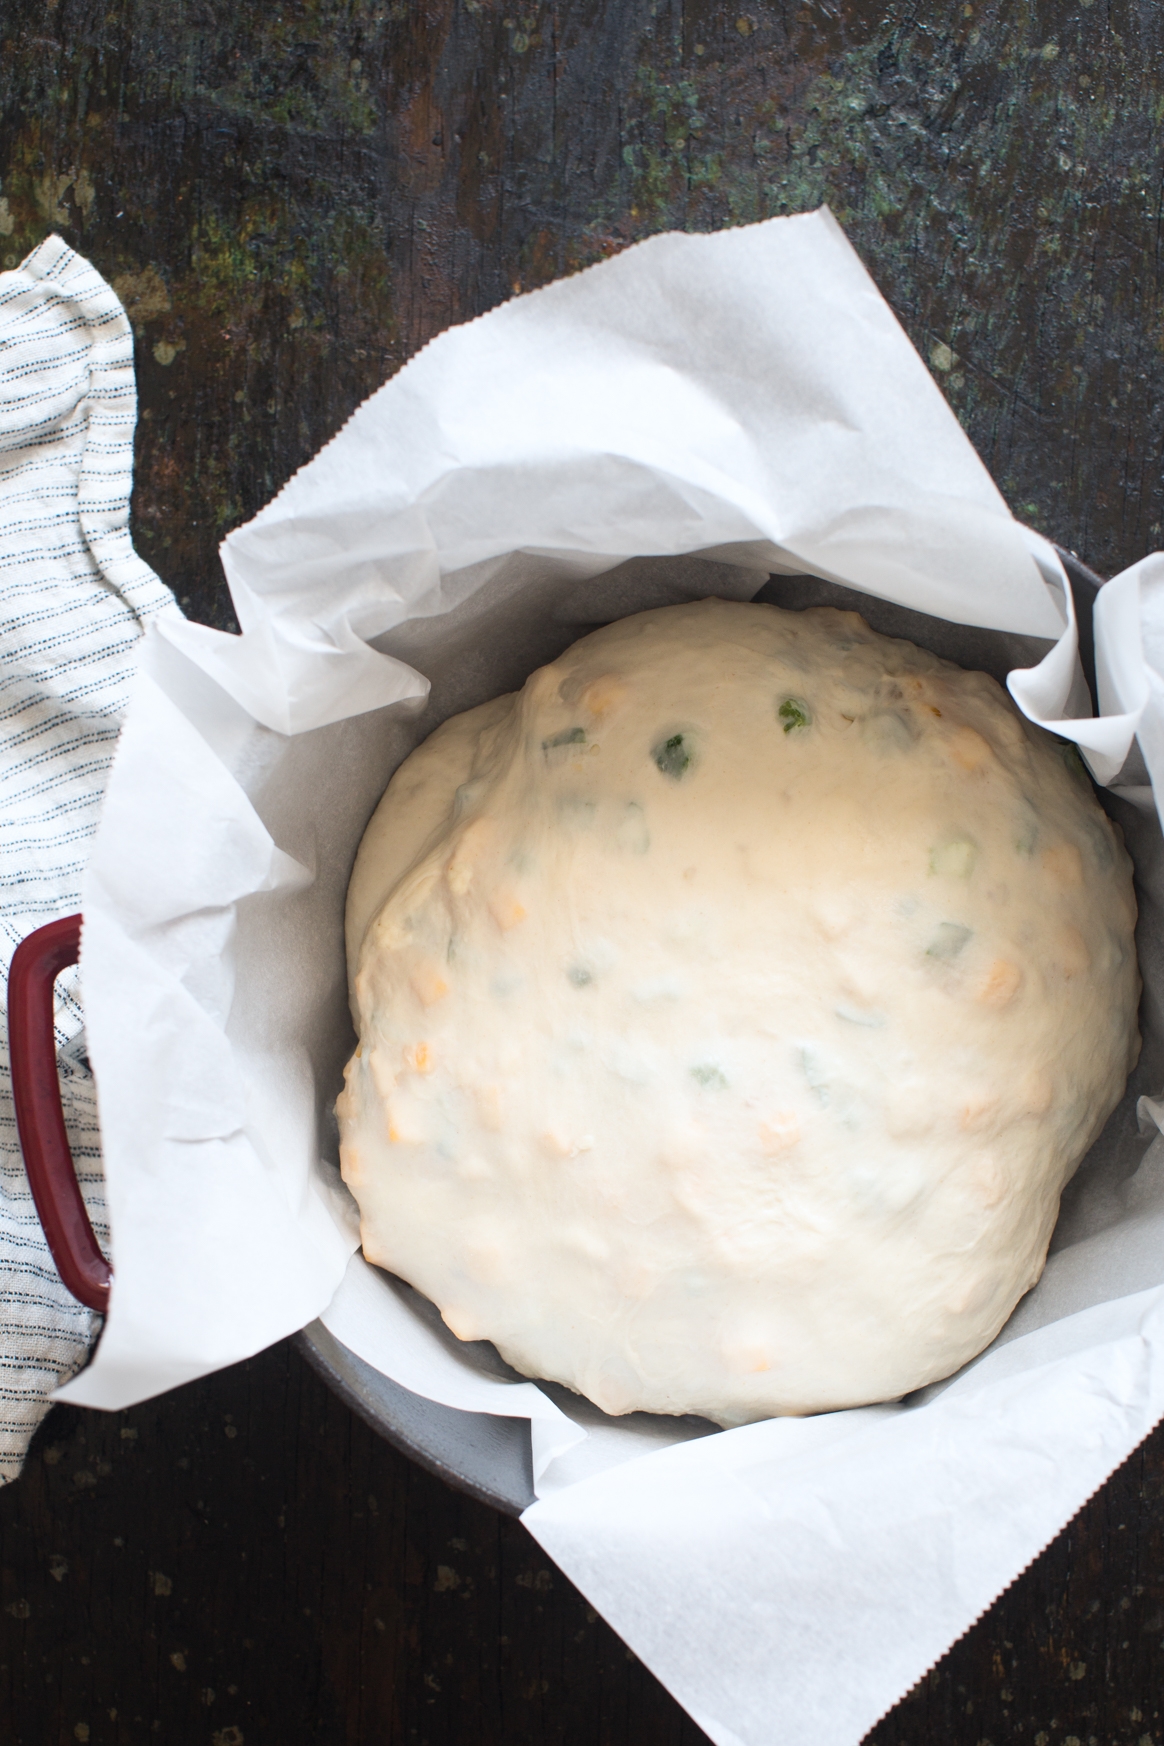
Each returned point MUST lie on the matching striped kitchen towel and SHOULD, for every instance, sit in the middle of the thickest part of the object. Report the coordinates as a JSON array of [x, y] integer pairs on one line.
[[74, 598]]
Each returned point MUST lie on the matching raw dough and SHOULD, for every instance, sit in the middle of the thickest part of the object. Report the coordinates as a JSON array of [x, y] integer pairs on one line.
[[734, 1003]]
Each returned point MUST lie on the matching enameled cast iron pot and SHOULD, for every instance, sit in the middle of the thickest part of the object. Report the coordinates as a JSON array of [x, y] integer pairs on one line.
[[485, 1456]]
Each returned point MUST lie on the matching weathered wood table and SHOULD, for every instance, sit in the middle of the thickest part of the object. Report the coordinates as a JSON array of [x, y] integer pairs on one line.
[[291, 200]]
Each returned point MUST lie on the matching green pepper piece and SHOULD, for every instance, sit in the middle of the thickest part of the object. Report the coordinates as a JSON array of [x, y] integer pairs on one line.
[[575, 736], [794, 714], [948, 941], [709, 1076], [673, 756]]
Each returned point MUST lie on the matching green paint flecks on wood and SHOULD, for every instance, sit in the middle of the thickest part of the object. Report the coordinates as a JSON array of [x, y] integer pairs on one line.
[[323, 186]]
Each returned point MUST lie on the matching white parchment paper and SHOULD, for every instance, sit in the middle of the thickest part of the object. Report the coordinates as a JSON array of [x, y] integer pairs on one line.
[[686, 419]]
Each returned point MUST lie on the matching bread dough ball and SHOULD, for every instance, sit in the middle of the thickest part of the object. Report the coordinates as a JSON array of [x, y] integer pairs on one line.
[[734, 1003]]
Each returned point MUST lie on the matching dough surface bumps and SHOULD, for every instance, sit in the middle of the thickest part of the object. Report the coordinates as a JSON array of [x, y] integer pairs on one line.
[[734, 1003]]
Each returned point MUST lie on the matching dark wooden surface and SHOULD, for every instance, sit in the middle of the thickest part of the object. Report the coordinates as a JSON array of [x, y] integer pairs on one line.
[[245, 1561], [291, 200]]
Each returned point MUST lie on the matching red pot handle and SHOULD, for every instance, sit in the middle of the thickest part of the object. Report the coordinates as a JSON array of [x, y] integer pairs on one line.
[[40, 1121]]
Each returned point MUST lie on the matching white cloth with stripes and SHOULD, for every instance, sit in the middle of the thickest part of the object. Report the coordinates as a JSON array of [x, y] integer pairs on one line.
[[74, 598]]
